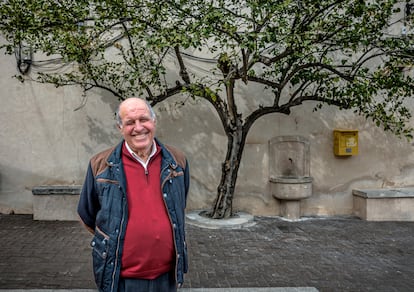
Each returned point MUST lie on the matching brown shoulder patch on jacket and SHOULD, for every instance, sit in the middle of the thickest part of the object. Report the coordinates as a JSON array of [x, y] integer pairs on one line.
[[178, 155], [100, 161]]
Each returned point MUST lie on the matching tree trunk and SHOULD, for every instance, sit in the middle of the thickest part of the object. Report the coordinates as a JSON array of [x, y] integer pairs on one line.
[[223, 205]]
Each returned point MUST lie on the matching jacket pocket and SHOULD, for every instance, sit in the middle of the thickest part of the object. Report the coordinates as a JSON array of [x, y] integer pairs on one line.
[[100, 248], [108, 181]]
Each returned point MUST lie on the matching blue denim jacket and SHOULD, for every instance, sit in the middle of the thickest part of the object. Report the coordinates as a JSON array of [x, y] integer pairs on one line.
[[103, 208]]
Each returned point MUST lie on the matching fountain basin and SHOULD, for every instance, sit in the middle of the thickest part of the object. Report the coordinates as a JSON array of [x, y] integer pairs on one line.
[[291, 187]]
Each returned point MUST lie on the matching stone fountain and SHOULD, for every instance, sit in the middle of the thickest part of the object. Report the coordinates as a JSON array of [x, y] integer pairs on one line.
[[290, 180]]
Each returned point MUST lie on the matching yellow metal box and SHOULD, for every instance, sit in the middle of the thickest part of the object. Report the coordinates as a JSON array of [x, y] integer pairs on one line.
[[345, 142]]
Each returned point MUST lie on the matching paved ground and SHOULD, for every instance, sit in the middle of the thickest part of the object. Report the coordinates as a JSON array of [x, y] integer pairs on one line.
[[336, 254]]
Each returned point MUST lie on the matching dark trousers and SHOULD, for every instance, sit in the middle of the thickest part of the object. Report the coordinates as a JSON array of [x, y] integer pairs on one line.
[[164, 283]]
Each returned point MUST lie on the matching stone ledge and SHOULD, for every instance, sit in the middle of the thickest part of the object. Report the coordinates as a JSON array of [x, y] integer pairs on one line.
[[385, 193], [384, 204], [56, 202], [57, 190]]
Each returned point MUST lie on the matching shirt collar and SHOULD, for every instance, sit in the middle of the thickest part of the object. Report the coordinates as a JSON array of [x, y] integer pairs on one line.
[[144, 163]]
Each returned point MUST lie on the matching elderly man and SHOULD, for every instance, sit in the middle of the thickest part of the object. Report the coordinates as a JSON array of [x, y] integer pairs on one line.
[[133, 201]]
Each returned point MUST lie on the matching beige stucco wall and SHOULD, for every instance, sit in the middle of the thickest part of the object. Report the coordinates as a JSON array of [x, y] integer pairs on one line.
[[43, 140]]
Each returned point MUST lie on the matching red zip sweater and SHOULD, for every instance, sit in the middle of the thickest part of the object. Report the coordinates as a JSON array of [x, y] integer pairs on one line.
[[148, 247]]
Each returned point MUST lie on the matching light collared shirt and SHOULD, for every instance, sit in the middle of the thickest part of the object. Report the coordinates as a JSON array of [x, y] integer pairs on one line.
[[143, 163]]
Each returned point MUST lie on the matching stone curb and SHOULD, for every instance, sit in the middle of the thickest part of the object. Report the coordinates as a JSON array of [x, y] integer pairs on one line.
[[240, 220], [251, 289]]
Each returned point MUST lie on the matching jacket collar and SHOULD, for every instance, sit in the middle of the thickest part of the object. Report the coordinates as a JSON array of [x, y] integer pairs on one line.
[[116, 157]]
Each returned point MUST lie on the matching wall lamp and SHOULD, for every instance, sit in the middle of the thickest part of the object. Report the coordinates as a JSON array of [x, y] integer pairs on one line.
[[24, 58]]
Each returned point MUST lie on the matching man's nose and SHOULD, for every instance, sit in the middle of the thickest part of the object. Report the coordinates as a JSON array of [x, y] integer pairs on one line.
[[138, 125]]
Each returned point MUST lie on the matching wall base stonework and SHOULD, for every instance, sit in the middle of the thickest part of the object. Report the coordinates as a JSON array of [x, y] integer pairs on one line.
[[56, 202], [384, 204]]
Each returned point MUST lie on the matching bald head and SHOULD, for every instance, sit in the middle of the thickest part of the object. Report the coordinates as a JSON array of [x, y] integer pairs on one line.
[[131, 102]]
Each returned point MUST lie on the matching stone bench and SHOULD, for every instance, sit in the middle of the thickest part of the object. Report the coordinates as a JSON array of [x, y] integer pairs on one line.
[[384, 204], [56, 202]]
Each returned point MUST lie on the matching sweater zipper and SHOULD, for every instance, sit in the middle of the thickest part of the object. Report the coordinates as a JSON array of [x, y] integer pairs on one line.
[[146, 175]]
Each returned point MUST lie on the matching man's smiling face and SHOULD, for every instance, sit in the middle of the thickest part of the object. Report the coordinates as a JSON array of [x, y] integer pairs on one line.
[[138, 126]]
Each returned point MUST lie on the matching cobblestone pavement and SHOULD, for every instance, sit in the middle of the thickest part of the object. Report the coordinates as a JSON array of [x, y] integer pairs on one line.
[[333, 254]]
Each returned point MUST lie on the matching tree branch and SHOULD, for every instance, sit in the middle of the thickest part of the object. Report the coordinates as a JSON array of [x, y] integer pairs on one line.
[[183, 71]]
